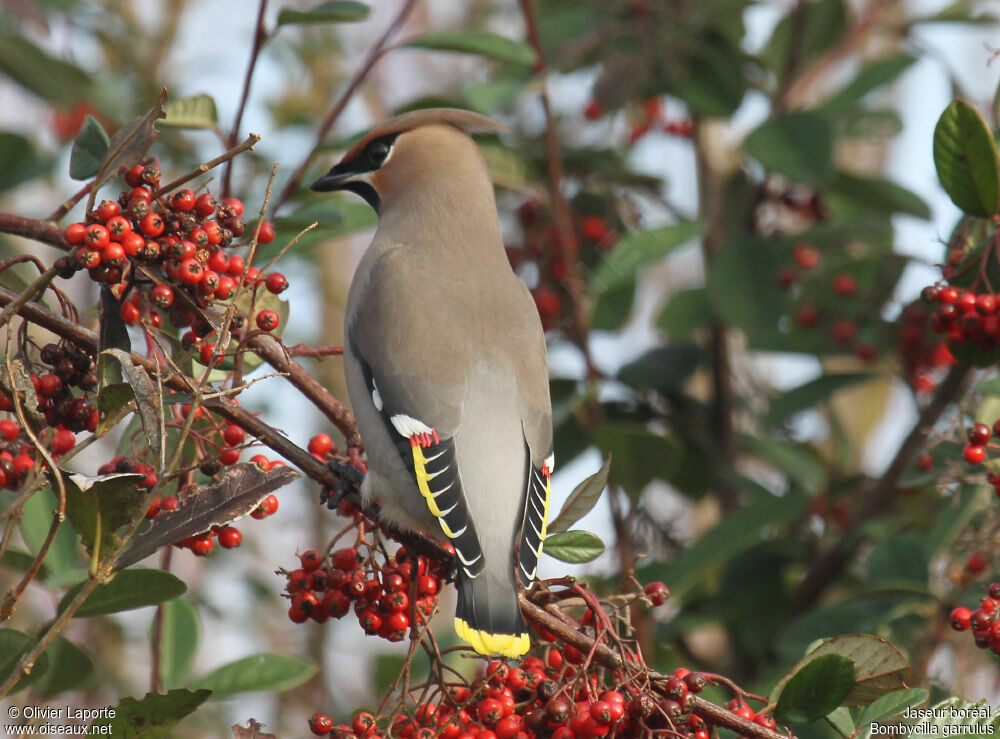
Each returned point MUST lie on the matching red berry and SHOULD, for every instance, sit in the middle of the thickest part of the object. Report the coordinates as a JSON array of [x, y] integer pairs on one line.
[[320, 445], [129, 313], [225, 288], [276, 283], [63, 441], [593, 110], [97, 236], [152, 225], [268, 320], [979, 434], [190, 271], [548, 302], [183, 200], [108, 209], [113, 254], [845, 284], [204, 205], [266, 233], [233, 435], [489, 711], [594, 228], [134, 176], [320, 723], [75, 234], [9, 429], [805, 255], [162, 296], [974, 453], [229, 537], [657, 592], [233, 204], [139, 193], [843, 331], [118, 227], [976, 564], [397, 621], [311, 560]]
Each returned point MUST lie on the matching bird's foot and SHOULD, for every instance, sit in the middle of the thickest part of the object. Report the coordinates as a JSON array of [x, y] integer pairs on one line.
[[349, 479]]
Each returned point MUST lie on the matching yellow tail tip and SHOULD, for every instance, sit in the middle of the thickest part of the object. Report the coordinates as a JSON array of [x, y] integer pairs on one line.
[[508, 645]]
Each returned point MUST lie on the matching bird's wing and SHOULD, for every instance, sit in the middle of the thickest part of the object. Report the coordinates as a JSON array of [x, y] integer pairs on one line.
[[415, 383]]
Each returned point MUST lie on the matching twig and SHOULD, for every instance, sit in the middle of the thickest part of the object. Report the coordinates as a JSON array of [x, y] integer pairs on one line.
[[66, 207], [318, 352], [29, 293], [32, 228], [830, 564], [374, 53], [260, 36], [247, 145]]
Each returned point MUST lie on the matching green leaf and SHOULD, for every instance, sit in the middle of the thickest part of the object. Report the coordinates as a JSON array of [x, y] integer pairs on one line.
[[800, 463], [685, 312], [102, 505], [574, 546], [147, 400], [743, 289], [738, 531], [989, 387], [712, 82], [197, 111], [808, 394], [663, 368], [582, 500], [179, 635], [640, 455], [891, 705], [815, 690], [871, 77], [88, 151], [613, 307], [874, 195], [805, 33], [842, 721], [638, 249], [13, 646], [902, 557], [271, 672], [129, 144], [129, 589], [152, 717], [481, 43], [966, 160], [19, 160], [960, 11], [343, 11], [798, 145], [52, 79], [113, 335], [35, 523], [71, 668]]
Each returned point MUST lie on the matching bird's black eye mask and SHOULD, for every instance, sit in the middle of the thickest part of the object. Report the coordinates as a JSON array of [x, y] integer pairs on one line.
[[349, 175]]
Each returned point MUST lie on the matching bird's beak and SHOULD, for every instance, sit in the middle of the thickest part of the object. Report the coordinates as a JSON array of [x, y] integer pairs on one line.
[[335, 179]]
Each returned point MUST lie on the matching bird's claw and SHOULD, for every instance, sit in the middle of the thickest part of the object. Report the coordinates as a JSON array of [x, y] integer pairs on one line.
[[349, 479]]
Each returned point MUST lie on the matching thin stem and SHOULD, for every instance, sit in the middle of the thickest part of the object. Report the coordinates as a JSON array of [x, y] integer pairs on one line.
[[247, 145], [259, 38], [66, 207], [374, 53]]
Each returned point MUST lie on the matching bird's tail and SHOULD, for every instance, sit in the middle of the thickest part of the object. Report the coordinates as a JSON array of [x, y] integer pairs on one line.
[[488, 616]]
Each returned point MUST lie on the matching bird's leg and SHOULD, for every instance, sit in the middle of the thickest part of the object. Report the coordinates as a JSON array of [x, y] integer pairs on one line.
[[349, 478]]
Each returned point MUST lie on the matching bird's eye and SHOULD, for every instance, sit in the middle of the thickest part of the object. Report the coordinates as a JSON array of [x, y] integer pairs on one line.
[[378, 152]]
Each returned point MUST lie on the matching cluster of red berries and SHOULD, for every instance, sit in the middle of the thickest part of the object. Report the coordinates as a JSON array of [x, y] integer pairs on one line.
[[652, 118], [984, 622], [975, 451], [183, 234], [380, 593], [925, 356], [540, 234], [843, 331], [532, 699], [964, 317]]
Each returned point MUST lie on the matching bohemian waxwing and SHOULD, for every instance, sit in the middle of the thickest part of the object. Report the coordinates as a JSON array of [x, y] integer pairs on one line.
[[446, 364]]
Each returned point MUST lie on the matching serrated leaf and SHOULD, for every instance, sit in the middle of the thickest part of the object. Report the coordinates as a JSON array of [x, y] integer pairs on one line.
[[965, 156], [343, 11], [129, 589], [101, 505], [88, 150], [798, 145], [574, 546], [151, 717], [815, 689], [271, 672], [481, 43], [241, 490], [582, 500], [197, 111], [891, 704], [71, 668], [13, 646], [129, 144], [638, 249], [179, 635]]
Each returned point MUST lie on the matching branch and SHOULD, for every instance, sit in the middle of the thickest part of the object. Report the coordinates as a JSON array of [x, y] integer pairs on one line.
[[32, 228], [829, 566], [374, 53]]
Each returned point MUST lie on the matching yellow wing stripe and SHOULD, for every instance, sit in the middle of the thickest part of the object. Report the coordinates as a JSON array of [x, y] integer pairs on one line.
[[545, 515], [485, 643], [420, 469]]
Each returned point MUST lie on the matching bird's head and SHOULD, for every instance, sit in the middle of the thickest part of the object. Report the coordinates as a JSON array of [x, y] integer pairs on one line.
[[407, 149]]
